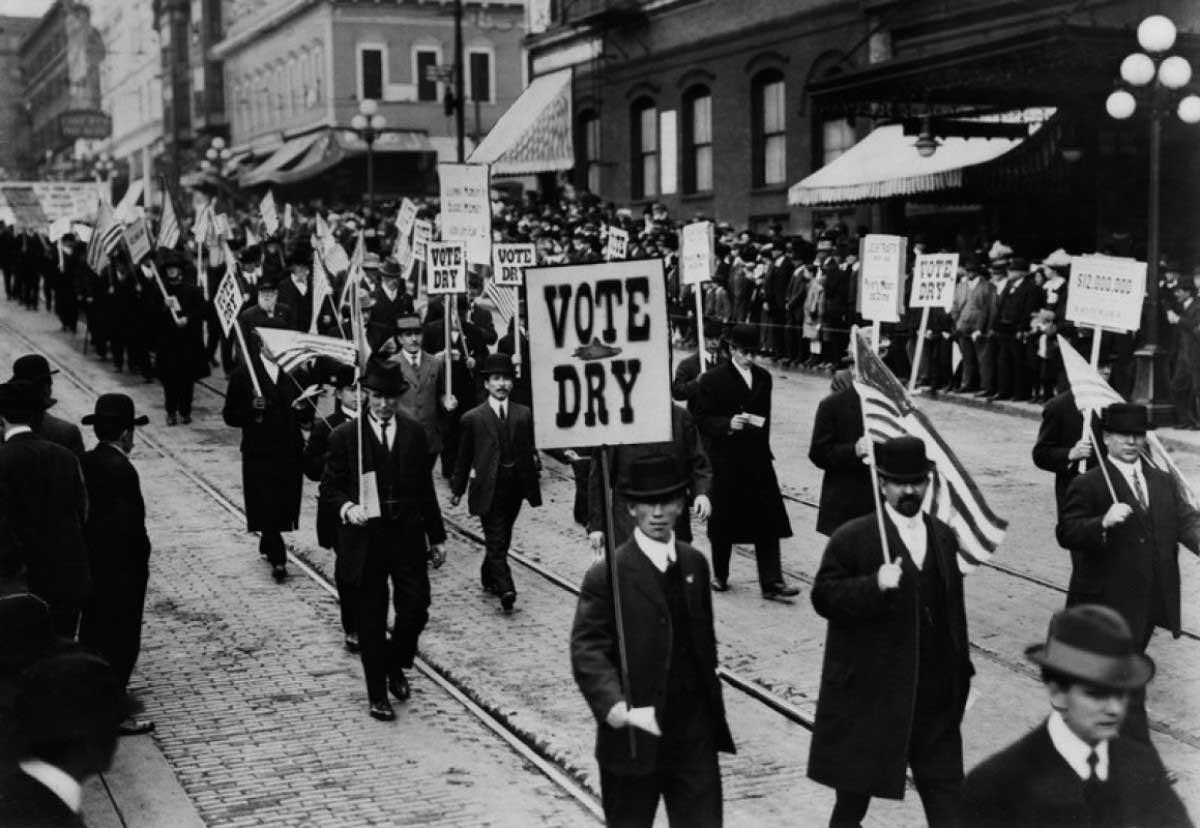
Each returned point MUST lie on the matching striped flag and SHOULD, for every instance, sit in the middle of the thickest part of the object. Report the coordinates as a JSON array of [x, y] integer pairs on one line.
[[320, 289], [290, 349], [169, 228], [106, 235], [504, 300], [953, 496], [1093, 394]]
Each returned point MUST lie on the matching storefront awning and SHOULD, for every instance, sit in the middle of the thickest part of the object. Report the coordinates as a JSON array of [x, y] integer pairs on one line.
[[534, 135], [331, 147], [279, 161], [885, 164]]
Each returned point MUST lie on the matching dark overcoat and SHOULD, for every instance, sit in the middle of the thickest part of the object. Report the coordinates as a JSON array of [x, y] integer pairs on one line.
[[115, 531], [1062, 426], [846, 490], [1117, 567], [412, 482], [869, 677], [1029, 784], [57, 430], [478, 463], [316, 451], [27, 803], [272, 448], [747, 504], [180, 352], [647, 620]]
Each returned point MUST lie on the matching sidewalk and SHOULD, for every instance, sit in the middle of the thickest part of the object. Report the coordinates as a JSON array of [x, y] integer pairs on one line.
[[140, 790]]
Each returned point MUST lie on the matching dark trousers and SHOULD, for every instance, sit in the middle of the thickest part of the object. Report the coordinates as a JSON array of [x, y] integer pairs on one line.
[[766, 554], [970, 362], [399, 556], [272, 547], [497, 534], [178, 392], [111, 625], [64, 617], [347, 604], [1137, 724], [935, 756], [691, 790]]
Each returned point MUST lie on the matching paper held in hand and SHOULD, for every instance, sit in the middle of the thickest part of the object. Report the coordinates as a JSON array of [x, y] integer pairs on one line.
[[369, 493]]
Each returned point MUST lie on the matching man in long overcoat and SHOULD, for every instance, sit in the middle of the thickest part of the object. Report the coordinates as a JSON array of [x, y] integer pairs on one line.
[[1185, 368], [180, 359], [733, 410], [1125, 550], [35, 369], [897, 667], [839, 447], [1061, 446], [672, 704]]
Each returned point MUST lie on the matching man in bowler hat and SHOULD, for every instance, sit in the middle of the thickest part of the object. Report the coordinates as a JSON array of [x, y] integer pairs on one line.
[[1123, 522], [1075, 769], [897, 668], [658, 735], [498, 467], [36, 369], [118, 545], [387, 532]]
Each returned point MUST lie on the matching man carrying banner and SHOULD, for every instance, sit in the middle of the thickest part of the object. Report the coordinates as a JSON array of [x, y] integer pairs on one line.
[[1123, 522], [897, 667], [180, 358], [659, 734]]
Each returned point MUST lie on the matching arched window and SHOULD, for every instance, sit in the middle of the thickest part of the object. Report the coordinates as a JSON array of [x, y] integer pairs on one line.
[[697, 140], [643, 123], [588, 151], [769, 128]]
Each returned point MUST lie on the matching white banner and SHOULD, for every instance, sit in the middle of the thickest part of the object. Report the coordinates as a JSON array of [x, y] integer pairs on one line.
[[509, 262], [697, 261], [228, 300], [881, 277], [447, 268], [270, 215], [137, 236], [1106, 292], [600, 352], [934, 277], [405, 218], [422, 236], [466, 209]]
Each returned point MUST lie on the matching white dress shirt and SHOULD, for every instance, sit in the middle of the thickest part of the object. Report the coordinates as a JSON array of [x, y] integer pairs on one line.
[[301, 285], [14, 429], [661, 554], [271, 370], [912, 531], [1074, 750], [57, 781], [745, 374], [500, 407], [1133, 472], [377, 425]]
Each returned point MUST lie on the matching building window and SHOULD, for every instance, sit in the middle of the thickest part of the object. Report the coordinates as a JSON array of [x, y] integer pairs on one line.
[[770, 135], [644, 121], [479, 76], [370, 72], [425, 64], [837, 136], [697, 140], [668, 150], [589, 150]]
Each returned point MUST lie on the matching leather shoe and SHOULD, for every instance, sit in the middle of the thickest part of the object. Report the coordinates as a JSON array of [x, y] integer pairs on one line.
[[398, 687], [720, 586], [135, 727], [507, 600], [382, 711], [186, 419], [352, 644], [172, 420], [780, 590], [279, 572]]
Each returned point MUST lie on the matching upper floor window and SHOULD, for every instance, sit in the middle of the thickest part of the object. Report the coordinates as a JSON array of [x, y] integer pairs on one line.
[[697, 140], [479, 75], [769, 128], [370, 75], [425, 64], [644, 122]]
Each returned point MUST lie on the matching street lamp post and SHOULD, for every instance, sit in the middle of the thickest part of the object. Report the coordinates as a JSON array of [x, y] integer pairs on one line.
[[368, 123], [1160, 81], [215, 157]]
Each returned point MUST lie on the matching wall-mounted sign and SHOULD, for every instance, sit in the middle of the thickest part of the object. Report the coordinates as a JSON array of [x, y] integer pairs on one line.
[[84, 123]]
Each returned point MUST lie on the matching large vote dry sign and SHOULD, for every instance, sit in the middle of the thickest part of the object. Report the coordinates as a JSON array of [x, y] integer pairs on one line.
[[934, 277], [1106, 292], [600, 354]]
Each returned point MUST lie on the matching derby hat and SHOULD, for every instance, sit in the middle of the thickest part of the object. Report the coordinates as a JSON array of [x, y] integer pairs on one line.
[[384, 379], [268, 280], [302, 254], [32, 367], [342, 376], [497, 364], [408, 322], [172, 258], [1017, 264], [903, 460], [21, 397], [1186, 283], [744, 337], [654, 479], [390, 269], [115, 409], [714, 327], [1093, 643], [1126, 418], [26, 631]]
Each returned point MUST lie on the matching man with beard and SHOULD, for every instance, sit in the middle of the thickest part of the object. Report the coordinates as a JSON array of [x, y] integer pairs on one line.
[[897, 669]]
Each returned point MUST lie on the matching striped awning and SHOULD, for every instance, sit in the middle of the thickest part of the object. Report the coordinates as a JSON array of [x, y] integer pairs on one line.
[[534, 135], [279, 161]]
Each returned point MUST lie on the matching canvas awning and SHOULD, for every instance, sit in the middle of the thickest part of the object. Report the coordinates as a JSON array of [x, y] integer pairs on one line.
[[885, 164], [534, 135], [279, 161], [332, 147]]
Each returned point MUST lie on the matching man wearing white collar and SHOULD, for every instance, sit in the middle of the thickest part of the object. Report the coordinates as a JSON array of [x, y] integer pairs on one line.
[[661, 723], [1075, 769]]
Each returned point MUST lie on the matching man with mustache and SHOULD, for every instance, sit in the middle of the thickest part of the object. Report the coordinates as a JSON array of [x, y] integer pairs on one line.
[[897, 669]]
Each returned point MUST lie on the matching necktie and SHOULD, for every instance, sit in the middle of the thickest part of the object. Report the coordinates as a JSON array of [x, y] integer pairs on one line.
[[415, 362], [503, 412], [1092, 787], [383, 430], [1138, 490]]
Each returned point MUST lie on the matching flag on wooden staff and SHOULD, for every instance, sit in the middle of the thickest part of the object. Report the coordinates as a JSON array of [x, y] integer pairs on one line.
[[953, 498], [291, 349], [105, 237], [504, 300], [169, 228]]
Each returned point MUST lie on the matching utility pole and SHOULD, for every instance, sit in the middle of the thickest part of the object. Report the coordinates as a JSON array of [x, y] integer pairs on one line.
[[459, 86]]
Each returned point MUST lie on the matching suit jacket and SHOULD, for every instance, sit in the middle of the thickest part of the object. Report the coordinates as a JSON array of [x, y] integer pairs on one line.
[[1062, 426], [686, 384], [869, 678], [422, 399], [648, 633], [59, 431], [316, 451], [846, 490], [412, 484], [1029, 784], [381, 318], [115, 531], [43, 506], [747, 504], [478, 462], [27, 803], [1118, 567], [298, 305]]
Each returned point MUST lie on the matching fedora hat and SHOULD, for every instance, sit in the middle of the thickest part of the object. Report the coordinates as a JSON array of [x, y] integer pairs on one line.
[[32, 367], [384, 379], [116, 409], [903, 459], [390, 269], [1126, 418], [497, 364], [653, 479], [1093, 643]]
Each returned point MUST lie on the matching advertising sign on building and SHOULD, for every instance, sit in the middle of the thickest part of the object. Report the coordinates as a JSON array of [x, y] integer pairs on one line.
[[466, 209], [447, 268], [1106, 292], [881, 277]]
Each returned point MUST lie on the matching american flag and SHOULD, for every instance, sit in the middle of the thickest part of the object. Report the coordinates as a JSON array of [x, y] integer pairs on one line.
[[1093, 394], [290, 349], [504, 299], [953, 496], [169, 229], [106, 235]]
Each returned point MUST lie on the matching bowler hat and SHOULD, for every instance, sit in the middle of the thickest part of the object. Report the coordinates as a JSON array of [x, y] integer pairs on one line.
[[1093, 643], [384, 379], [497, 364], [1126, 418], [68, 697], [653, 479], [26, 631], [115, 409], [268, 280], [714, 327], [408, 322], [1186, 283], [302, 254], [1018, 264], [21, 397], [903, 459], [390, 269], [171, 258], [342, 376], [32, 367], [744, 336]]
